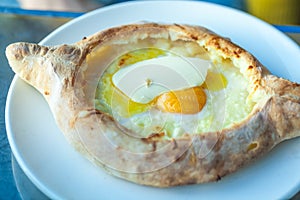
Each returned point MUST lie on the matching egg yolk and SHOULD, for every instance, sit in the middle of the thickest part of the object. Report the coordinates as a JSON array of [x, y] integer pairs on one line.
[[188, 101]]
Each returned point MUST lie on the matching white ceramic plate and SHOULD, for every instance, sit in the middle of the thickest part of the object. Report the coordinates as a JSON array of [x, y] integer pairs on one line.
[[61, 173]]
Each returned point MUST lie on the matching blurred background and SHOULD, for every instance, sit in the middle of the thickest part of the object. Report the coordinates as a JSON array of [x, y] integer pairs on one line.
[[279, 12]]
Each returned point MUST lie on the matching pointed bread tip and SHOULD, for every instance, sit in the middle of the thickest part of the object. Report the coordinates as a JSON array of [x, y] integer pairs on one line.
[[19, 50], [41, 65], [19, 53]]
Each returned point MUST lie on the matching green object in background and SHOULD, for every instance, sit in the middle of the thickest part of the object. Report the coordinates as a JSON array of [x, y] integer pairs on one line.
[[275, 11]]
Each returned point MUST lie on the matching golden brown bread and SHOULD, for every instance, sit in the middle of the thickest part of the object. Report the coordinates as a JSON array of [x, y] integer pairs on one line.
[[67, 76]]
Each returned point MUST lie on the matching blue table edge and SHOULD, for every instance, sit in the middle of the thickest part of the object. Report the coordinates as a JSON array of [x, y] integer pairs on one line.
[[46, 13]]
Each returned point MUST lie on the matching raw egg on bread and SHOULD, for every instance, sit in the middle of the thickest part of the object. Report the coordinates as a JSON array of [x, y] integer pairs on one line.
[[192, 97]]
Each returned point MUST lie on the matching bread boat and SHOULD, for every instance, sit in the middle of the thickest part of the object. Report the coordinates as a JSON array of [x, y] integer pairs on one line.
[[68, 77]]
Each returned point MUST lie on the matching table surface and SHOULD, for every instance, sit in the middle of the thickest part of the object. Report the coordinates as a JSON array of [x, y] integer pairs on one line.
[[31, 28], [17, 28]]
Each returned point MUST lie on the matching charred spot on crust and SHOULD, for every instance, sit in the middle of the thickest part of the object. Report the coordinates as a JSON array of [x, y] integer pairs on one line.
[[236, 54], [194, 37], [256, 81], [154, 137], [215, 41], [66, 80], [36, 49], [72, 82], [95, 111], [153, 146], [180, 26], [122, 61]]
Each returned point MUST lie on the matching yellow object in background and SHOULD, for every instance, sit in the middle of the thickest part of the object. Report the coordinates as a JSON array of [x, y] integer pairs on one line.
[[276, 11]]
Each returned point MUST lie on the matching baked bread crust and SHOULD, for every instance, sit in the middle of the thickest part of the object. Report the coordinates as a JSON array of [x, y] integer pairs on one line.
[[62, 74]]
